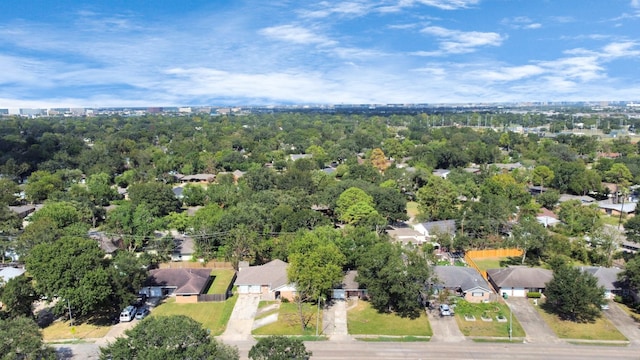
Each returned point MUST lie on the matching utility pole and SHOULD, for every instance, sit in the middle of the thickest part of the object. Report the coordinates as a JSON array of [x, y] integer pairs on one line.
[[318, 317]]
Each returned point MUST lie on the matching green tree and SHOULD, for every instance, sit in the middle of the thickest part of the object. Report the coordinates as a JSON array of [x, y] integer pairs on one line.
[[100, 190], [632, 229], [396, 278], [17, 296], [548, 199], [631, 272], [41, 184], [158, 197], [22, 339], [529, 235], [61, 213], [574, 294], [577, 218], [8, 191], [620, 175], [542, 175], [437, 199], [350, 197], [168, 337], [279, 348]]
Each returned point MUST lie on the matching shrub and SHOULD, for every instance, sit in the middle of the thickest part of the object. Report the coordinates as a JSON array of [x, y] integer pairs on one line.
[[534, 295]]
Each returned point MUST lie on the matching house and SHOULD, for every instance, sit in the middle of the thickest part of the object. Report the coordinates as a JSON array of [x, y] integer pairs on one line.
[[184, 284], [517, 281], [23, 210], [607, 278], [547, 217], [628, 208], [9, 273], [465, 282], [269, 280], [178, 192], [584, 199], [443, 173], [406, 235], [349, 287], [295, 157], [201, 178], [442, 228], [184, 248]]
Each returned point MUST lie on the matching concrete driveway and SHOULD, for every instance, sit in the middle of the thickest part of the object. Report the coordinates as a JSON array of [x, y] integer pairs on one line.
[[537, 331], [445, 328], [624, 323], [241, 320]]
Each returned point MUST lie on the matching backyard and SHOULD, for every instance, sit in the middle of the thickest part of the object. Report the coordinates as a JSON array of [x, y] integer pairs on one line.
[[221, 281], [365, 320]]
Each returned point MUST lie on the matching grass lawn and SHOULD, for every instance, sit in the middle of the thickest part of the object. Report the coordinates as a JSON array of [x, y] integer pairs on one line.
[[601, 329], [212, 315], [634, 315], [489, 263], [365, 320], [492, 328], [222, 280], [289, 321], [59, 330], [412, 208]]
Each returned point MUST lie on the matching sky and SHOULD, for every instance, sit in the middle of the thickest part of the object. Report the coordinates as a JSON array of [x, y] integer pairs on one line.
[[78, 53]]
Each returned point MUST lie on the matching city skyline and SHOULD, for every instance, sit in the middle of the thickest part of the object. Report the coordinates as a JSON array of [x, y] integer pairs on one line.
[[75, 53]]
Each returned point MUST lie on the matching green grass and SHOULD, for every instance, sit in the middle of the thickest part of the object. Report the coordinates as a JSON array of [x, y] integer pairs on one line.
[[601, 329], [212, 315], [491, 262], [60, 330], [412, 209], [394, 339], [631, 312], [486, 328], [221, 281], [289, 321], [612, 220], [364, 320]]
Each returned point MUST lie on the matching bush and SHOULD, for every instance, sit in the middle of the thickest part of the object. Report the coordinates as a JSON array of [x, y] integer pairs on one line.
[[534, 295], [618, 299]]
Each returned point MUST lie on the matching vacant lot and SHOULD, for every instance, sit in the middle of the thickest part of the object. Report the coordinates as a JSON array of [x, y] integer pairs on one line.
[[289, 322], [493, 328], [212, 315], [364, 320], [601, 329]]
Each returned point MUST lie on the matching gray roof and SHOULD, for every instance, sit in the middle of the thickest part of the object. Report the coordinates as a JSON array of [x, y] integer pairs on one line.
[[607, 277], [272, 274], [184, 245], [349, 281], [628, 207], [520, 276], [442, 227], [9, 273], [585, 199], [465, 278], [186, 281]]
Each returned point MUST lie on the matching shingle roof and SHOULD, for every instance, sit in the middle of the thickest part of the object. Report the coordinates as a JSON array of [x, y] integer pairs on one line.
[[465, 278], [272, 274], [349, 281], [520, 276], [9, 273], [607, 277], [186, 281]]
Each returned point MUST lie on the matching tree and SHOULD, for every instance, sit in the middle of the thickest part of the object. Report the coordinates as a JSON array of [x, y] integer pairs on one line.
[[542, 175], [159, 197], [396, 278], [631, 272], [350, 197], [168, 337], [41, 184], [632, 229], [18, 295], [574, 294], [61, 213], [100, 189], [529, 235], [22, 339], [620, 175], [379, 160], [437, 199], [8, 191], [579, 219], [548, 199], [279, 348]]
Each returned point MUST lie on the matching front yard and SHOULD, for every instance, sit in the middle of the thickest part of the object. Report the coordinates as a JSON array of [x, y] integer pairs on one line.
[[365, 320], [289, 321], [601, 329], [482, 326], [61, 330], [212, 315]]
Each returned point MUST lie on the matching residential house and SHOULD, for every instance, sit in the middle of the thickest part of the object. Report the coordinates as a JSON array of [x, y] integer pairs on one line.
[[406, 235], [201, 178], [294, 157], [607, 278], [584, 199], [517, 281], [23, 210], [184, 284], [547, 217], [184, 248], [9, 273], [628, 208], [270, 281], [465, 282], [443, 173], [444, 229], [349, 287]]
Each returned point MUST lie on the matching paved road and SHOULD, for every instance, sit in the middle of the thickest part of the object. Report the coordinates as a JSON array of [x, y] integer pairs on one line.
[[625, 323], [445, 329], [536, 329]]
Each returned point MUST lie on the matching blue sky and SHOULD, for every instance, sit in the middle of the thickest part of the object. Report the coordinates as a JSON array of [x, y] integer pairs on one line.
[[70, 53]]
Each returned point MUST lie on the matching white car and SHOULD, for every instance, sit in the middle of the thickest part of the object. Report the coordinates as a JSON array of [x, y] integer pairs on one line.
[[445, 310]]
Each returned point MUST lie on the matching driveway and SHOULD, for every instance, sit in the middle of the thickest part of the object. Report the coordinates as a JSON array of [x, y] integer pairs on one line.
[[241, 320], [625, 323], [445, 328], [334, 321], [537, 331]]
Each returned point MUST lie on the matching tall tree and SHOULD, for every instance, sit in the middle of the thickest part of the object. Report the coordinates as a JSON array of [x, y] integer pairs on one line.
[[574, 294], [379, 160], [22, 339], [18, 295], [279, 348], [437, 199], [542, 175], [168, 337]]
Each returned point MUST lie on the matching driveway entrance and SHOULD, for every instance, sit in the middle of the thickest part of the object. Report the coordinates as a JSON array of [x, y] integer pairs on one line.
[[537, 331]]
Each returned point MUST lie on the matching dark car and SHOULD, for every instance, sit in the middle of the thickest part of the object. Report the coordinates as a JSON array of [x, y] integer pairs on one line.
[[142, 313]]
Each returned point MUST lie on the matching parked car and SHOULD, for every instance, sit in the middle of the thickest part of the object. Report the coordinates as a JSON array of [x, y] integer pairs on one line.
[[128, 313], [140, 300], [142, 313], [445, 310], [604, 306]]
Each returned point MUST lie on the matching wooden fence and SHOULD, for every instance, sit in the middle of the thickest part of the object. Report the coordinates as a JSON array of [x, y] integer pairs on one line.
[[488, 253], [219, 297]]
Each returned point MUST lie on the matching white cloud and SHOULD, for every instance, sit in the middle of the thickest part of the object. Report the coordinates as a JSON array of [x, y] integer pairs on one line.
[[512, 73], [295, 34], [449, 4], [635, 3], [459, 42], [520, 22], [347, 9]]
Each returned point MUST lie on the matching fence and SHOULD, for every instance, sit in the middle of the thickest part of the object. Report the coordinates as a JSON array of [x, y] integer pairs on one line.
[[196, 265], [219, 297], [487, 253]]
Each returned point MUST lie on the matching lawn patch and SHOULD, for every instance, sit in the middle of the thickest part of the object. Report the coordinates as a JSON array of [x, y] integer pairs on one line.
[[601, 329], [289, 321], [221, 281], [60, 330], [490, 262], [412, 209], [491, 328], [365, 320], [212, 315]]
